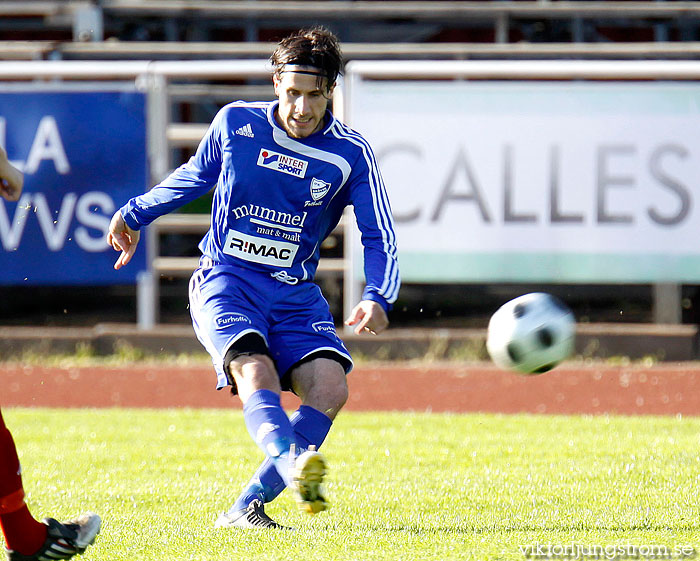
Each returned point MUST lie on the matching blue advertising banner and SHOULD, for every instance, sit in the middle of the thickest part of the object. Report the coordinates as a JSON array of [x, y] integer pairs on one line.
[[83, 154]]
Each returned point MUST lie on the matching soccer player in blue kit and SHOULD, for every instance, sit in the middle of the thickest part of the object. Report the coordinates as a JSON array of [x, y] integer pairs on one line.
[[283, 173]]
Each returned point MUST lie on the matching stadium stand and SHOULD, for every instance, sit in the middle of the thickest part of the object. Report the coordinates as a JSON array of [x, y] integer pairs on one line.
[[155, 29]]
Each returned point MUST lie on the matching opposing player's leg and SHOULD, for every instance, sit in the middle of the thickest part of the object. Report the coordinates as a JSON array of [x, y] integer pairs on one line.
[[27, 539], [22, 532], [63, 539]]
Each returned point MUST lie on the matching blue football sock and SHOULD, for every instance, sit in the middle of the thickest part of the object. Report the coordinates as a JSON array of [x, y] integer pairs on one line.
[[270, 428], [310, 428]]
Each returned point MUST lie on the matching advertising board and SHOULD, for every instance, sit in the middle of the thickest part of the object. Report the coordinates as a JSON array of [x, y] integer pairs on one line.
[[83, 154], [573, 182]]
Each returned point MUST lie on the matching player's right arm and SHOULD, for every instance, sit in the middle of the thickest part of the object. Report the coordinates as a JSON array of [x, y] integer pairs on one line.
[[11, 179], [188, 182], [122, 238]]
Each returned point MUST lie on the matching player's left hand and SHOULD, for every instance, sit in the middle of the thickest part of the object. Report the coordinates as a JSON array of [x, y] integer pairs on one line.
[[122, 238], [368, 317]]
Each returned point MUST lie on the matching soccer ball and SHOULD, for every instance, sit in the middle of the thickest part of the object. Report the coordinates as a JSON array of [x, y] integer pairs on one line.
[[531, 334]]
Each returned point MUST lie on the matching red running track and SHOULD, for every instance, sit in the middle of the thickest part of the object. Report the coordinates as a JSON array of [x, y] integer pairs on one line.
[[667, 389]]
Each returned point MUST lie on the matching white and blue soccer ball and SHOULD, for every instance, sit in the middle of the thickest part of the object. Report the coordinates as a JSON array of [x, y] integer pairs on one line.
[[531, 334]]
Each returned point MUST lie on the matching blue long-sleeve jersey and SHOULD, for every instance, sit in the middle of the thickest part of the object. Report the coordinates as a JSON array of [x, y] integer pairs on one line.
[[277, 198]]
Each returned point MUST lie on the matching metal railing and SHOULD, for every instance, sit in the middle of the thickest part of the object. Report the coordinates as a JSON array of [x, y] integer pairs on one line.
[[87, 19], [157, 50], [360, 10]]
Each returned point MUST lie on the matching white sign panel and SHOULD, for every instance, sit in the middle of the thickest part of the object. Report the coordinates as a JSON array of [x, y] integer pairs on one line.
[[555, 182]]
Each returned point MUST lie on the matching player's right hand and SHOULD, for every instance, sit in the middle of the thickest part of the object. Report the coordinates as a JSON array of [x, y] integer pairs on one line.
[[122, 238]]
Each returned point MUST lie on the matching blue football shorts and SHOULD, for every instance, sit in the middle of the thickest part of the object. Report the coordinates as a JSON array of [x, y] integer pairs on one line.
[[228, 303]]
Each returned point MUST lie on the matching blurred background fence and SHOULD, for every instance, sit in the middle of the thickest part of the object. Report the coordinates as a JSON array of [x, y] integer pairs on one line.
[[188, 58]]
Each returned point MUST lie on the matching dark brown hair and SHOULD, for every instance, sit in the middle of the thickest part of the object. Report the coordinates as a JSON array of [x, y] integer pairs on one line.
[[316, 47]]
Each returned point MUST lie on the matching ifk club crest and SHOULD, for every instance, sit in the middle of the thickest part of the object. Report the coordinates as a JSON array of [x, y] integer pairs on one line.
[[319, 189]]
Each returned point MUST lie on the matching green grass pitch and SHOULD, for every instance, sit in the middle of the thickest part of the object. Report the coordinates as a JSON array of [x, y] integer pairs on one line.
[[401, 485]]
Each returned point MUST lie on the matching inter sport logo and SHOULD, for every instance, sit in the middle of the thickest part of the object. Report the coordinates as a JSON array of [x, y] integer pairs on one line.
[[279, 162]]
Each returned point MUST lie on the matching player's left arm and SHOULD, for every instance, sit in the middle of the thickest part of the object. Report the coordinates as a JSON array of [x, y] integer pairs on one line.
[[376, 224]]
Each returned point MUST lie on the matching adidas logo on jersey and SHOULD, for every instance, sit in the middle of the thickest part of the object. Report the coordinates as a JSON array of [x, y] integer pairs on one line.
[[246, 130]]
